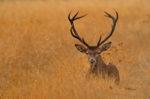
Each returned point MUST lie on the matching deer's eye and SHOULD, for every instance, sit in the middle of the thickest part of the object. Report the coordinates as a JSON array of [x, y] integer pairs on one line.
[[87, 52]]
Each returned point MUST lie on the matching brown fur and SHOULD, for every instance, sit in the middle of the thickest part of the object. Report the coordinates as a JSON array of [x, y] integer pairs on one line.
[[100, 68]]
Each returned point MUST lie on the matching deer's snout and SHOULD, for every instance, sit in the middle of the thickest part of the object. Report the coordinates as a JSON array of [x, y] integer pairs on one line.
[[92, 61]]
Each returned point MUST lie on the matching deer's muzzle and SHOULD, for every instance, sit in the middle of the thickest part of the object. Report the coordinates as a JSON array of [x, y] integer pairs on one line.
[[92, 61]]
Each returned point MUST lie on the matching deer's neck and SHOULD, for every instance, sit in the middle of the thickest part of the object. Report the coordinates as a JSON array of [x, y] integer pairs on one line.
[[99, 66]]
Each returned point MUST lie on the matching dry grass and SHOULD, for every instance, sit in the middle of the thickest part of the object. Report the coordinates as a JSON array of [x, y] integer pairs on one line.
[[38, 59]]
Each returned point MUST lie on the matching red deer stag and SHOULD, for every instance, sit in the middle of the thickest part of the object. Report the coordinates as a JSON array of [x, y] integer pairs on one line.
[[97, 65]]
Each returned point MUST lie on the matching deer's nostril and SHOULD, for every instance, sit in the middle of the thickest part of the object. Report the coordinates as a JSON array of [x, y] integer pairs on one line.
[[92, 61]]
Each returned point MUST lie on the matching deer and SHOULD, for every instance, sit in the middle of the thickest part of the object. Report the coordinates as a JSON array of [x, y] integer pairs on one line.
[[97, 65]]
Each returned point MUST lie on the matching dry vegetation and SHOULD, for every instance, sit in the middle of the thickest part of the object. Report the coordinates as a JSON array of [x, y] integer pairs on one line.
[[38, 59]]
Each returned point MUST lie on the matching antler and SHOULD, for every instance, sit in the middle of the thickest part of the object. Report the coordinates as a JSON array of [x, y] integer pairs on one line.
[[73, 31], [112, 30]]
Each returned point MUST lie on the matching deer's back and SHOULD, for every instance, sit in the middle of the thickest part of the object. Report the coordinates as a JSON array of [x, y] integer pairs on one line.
[[113, 72]]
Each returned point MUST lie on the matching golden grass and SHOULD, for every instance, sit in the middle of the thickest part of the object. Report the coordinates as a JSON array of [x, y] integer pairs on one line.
[[38, 59]]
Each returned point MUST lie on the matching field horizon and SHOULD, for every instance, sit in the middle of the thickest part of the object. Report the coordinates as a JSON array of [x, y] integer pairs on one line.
[[38, 59]]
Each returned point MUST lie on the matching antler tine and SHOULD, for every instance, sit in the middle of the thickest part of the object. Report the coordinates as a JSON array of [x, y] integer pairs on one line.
[[74, 17], [99, 41], [113, 26], [73, 31]]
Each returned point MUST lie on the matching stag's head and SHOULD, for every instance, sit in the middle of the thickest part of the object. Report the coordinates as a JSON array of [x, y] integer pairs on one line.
[[92, 51]]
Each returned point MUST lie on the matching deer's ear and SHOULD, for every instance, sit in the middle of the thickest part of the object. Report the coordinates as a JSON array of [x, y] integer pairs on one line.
[[80, 48], [105, 46]]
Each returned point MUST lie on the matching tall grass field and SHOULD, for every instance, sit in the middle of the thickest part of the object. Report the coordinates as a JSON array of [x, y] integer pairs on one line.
[[38, 59]]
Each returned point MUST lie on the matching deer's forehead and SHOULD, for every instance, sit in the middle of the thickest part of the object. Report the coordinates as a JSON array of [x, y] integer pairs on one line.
[[92, 50]]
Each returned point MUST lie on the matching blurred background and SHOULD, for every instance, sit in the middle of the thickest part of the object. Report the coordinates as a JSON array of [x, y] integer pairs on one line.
[[38, 59]]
